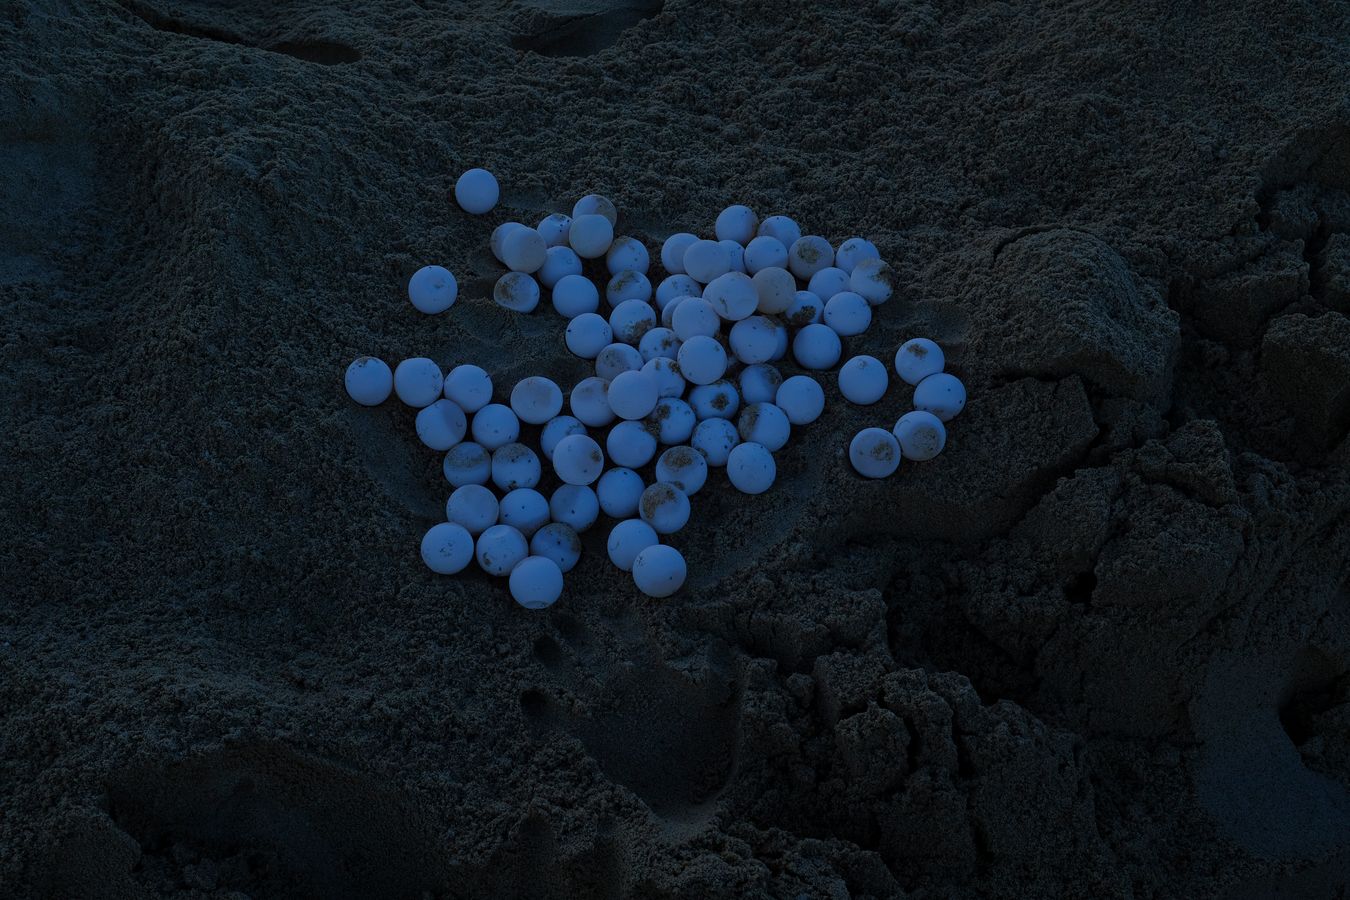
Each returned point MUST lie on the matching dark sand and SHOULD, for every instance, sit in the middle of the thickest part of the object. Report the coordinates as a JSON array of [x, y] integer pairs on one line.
[[1098, 648]]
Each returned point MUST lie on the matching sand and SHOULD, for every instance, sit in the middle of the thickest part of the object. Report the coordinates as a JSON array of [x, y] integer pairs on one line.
[[1099, 647]]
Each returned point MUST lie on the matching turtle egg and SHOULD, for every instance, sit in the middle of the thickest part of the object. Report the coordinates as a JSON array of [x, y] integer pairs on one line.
[[589, 402], [683, 467], [616, 359], [736, 223], [706, 260], [627, 539], [801, 399], [659, 571], [524, 509], [441, 425], [467, 463], [555, 229], [473, 507], [784, 229], [736, 253], [828, 282], [515, 466], [595, 204], [764, 423], [872, 279], [874, 452], [632, 395], [574, 295], [816, 347], [848, 314], [499, 235], [559, 263], [559, 542], [808, 255], [575, 505], [942, 394], [590, 235], [702, 360], [494, 426], [918, 358], [577, 459], [618, 492], [628, 285], [775, 289], [666, 371], [673, 249], [921, 435], [631, 444], [414, 380], [555, 430], [500, 548], [732, 296], [536, 582], [759, 383], [627, 253], [714, 440], [536, 399], [664, 507], [806, 309], [750, 468], [432, 289], [588, 334], [754, 340], [718, 400], [470, 387], [673, 286], [476, 191], [632, 319], [369, 381], [863, 380], [694, 317], [765, 252], [674, 420], [853, 251], [524, 250], [447, 548], [658, 342], [517, 292]]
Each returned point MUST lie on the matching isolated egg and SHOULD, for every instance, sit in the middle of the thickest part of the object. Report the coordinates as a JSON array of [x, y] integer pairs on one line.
[[472, 507], [369, 381], [695, 317], [775, 289], [848, 314], [754, 340], [517, 292], [674, 420], [632, 395], [874, 453], [467, 463], [702, 360], [515, 466], [616, 359], [853, 251], [801, 399], [555, 229], [759, 383], [735, 254], [494, 426], [765, 424], [673, 286], [441, 425], [587, 334], [632, 319], [469, 386], [590, 236], [942, 394], [476, 191], [574, 295], [718, 400], [627, 539], [784, 229], [628, 285], [921, 435], [596, 204], [559, 263], [683, 467], [750, 468], [673, 249], [432, 289], [500, 548], [736, 223], [625, 254], [714, 440], [658, 342], [664, 507], [536, 399], [863, 380], [659, 571], [706, 260], [574, 505], [828, 282], [589, 402], [805, 309], [666, 371], [536, 582], [524, 250], [816, 347], [732, 296], [499, 235], [558, 542], [872, 279], [918, 358], [630, 444], [808, 255], [619, 491], [525, 510], [555, 430], [447, 548], [418, 382], [578, 460], [765, 252]]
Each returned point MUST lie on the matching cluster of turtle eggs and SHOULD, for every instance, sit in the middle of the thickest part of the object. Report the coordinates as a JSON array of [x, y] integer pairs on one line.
[[666, 376]]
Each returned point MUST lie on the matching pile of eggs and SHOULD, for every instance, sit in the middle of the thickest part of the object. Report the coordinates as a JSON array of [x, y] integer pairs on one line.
[[685, 381]]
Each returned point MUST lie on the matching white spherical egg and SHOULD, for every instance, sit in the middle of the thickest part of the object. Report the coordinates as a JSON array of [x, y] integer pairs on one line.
[[627, 254], [702, 360], [587, 334], [555, 229], [627, 539], [517, 292], [618, 492], [515, 466], [736, 223], [694, 317], [525, 510], [469, 386], [674, 420], [558, 542], [659, 342], [664, 507], [447, 548], [499, 235], [828, 282], [706, 260], [759, 383], [472, 507], [616, 359], [666, 371], [418, 382], [536, 399], [631, 320], [921, 435], [590, 236], [578, 460], [816, 347], [806, 309], [765, 252], [717, 400], [536, 582], [848, 314], [672, 251], [555, 430], [873, 280], [494, 426], [659, 571], [574, 295], [476, 191], [735, 253], [441, 425], [559, 263], [589, 402], [918, 358], [467, 463], [732, 296], [596, 205], [673, 286], [574, 505], [714, 440], [782, 228], [863, 380], [631, 444], [628, 285], [683, 467], [853, 251], [942, 395], [432, 289], [524, 250], [765, 424], [808, 255], [500, 548], [801, 399], [754, 340], [369, 381], [775, 289], [750, 468], [874, 453], [632, 395]]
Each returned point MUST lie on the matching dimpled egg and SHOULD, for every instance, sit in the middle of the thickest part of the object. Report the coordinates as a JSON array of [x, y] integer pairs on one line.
[[617, 358], [369, 381], [673, 249], [574, 295], [514, 466], [664, 507], [714, 440], [694, 317], [750, 468], [524, 250], [627, 254], [536, 582], [759, 383], [848, 314], [590, 235], [801, 399], [559, 542], [499, 235], [863, 380], [816, 347], [447, 548], [500, 548], [765, 424], [632, 319], [494, 426], [808, 255], [467, 463], [732, 296], [524, 509], [666, 372], [578, 460], [706, 260], [441, 425], [828, 282], [627, 539], [631, 444], [628, 285], [659, 571], [736, 223], [418, 382], [559, 263], [619, 491], [470, 387], [472, 507], [574, 505], [674, 420], [921, 435], [806, 309], [874, 453], [536, 399], [942, 394], [775, 289], [872, 279], [673, 286], [476, 191], [589, 402], [918, 358], [702, 360], [598, 205], [683, 467], [432, 289], [765, 252], [718, 400], [555, 430], [517, 292], [658, 342], [587, 334], [784, 229], [853, 251], [554, 229], [736, 254], [754, 340], [632, 395]]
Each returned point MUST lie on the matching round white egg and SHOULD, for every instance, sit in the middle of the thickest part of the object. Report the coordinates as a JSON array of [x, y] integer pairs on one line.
[[759, 383], [625, 254], [515, 466], [555, 229], [574, 505], [736, 223], [628, 285], [775, 289], [536, 399], [587, 334], [590, 235], [674, 420], [714, 440], [499, 235], [718, 400], [517, 292], [476, 191], [418, 382], [578, 459], [683, 467], [441, 425], [617, 358], [559, 542], [432, 289], [942, 394], [805, 309], [524, 509], [630, 444], [627, 539], [659, 342], [467, 463], [673, 286], [500, 548], [921, 435], [574, 295], [828, 282], [702, 360], [848, 314], [863, 380], [750, 468], [524, 250], [853, 251], [472, 507], [369, 381], [695, 317], [447, 548], [598, 205], [765, 252], [732, 296], [632, 319], [874, 453], [664, 507], [754, 340], [554, 430], [494, 426], [673, 249], [918, 358], [808, 255], [666, 371], [873, 280], [801, 399], [782, 228], [659, 571], [816, 347], [706, 260], [589, 402], [632, 395], [618, 492], [559, 263], [765, 424], [536, 582], [469, 386]]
